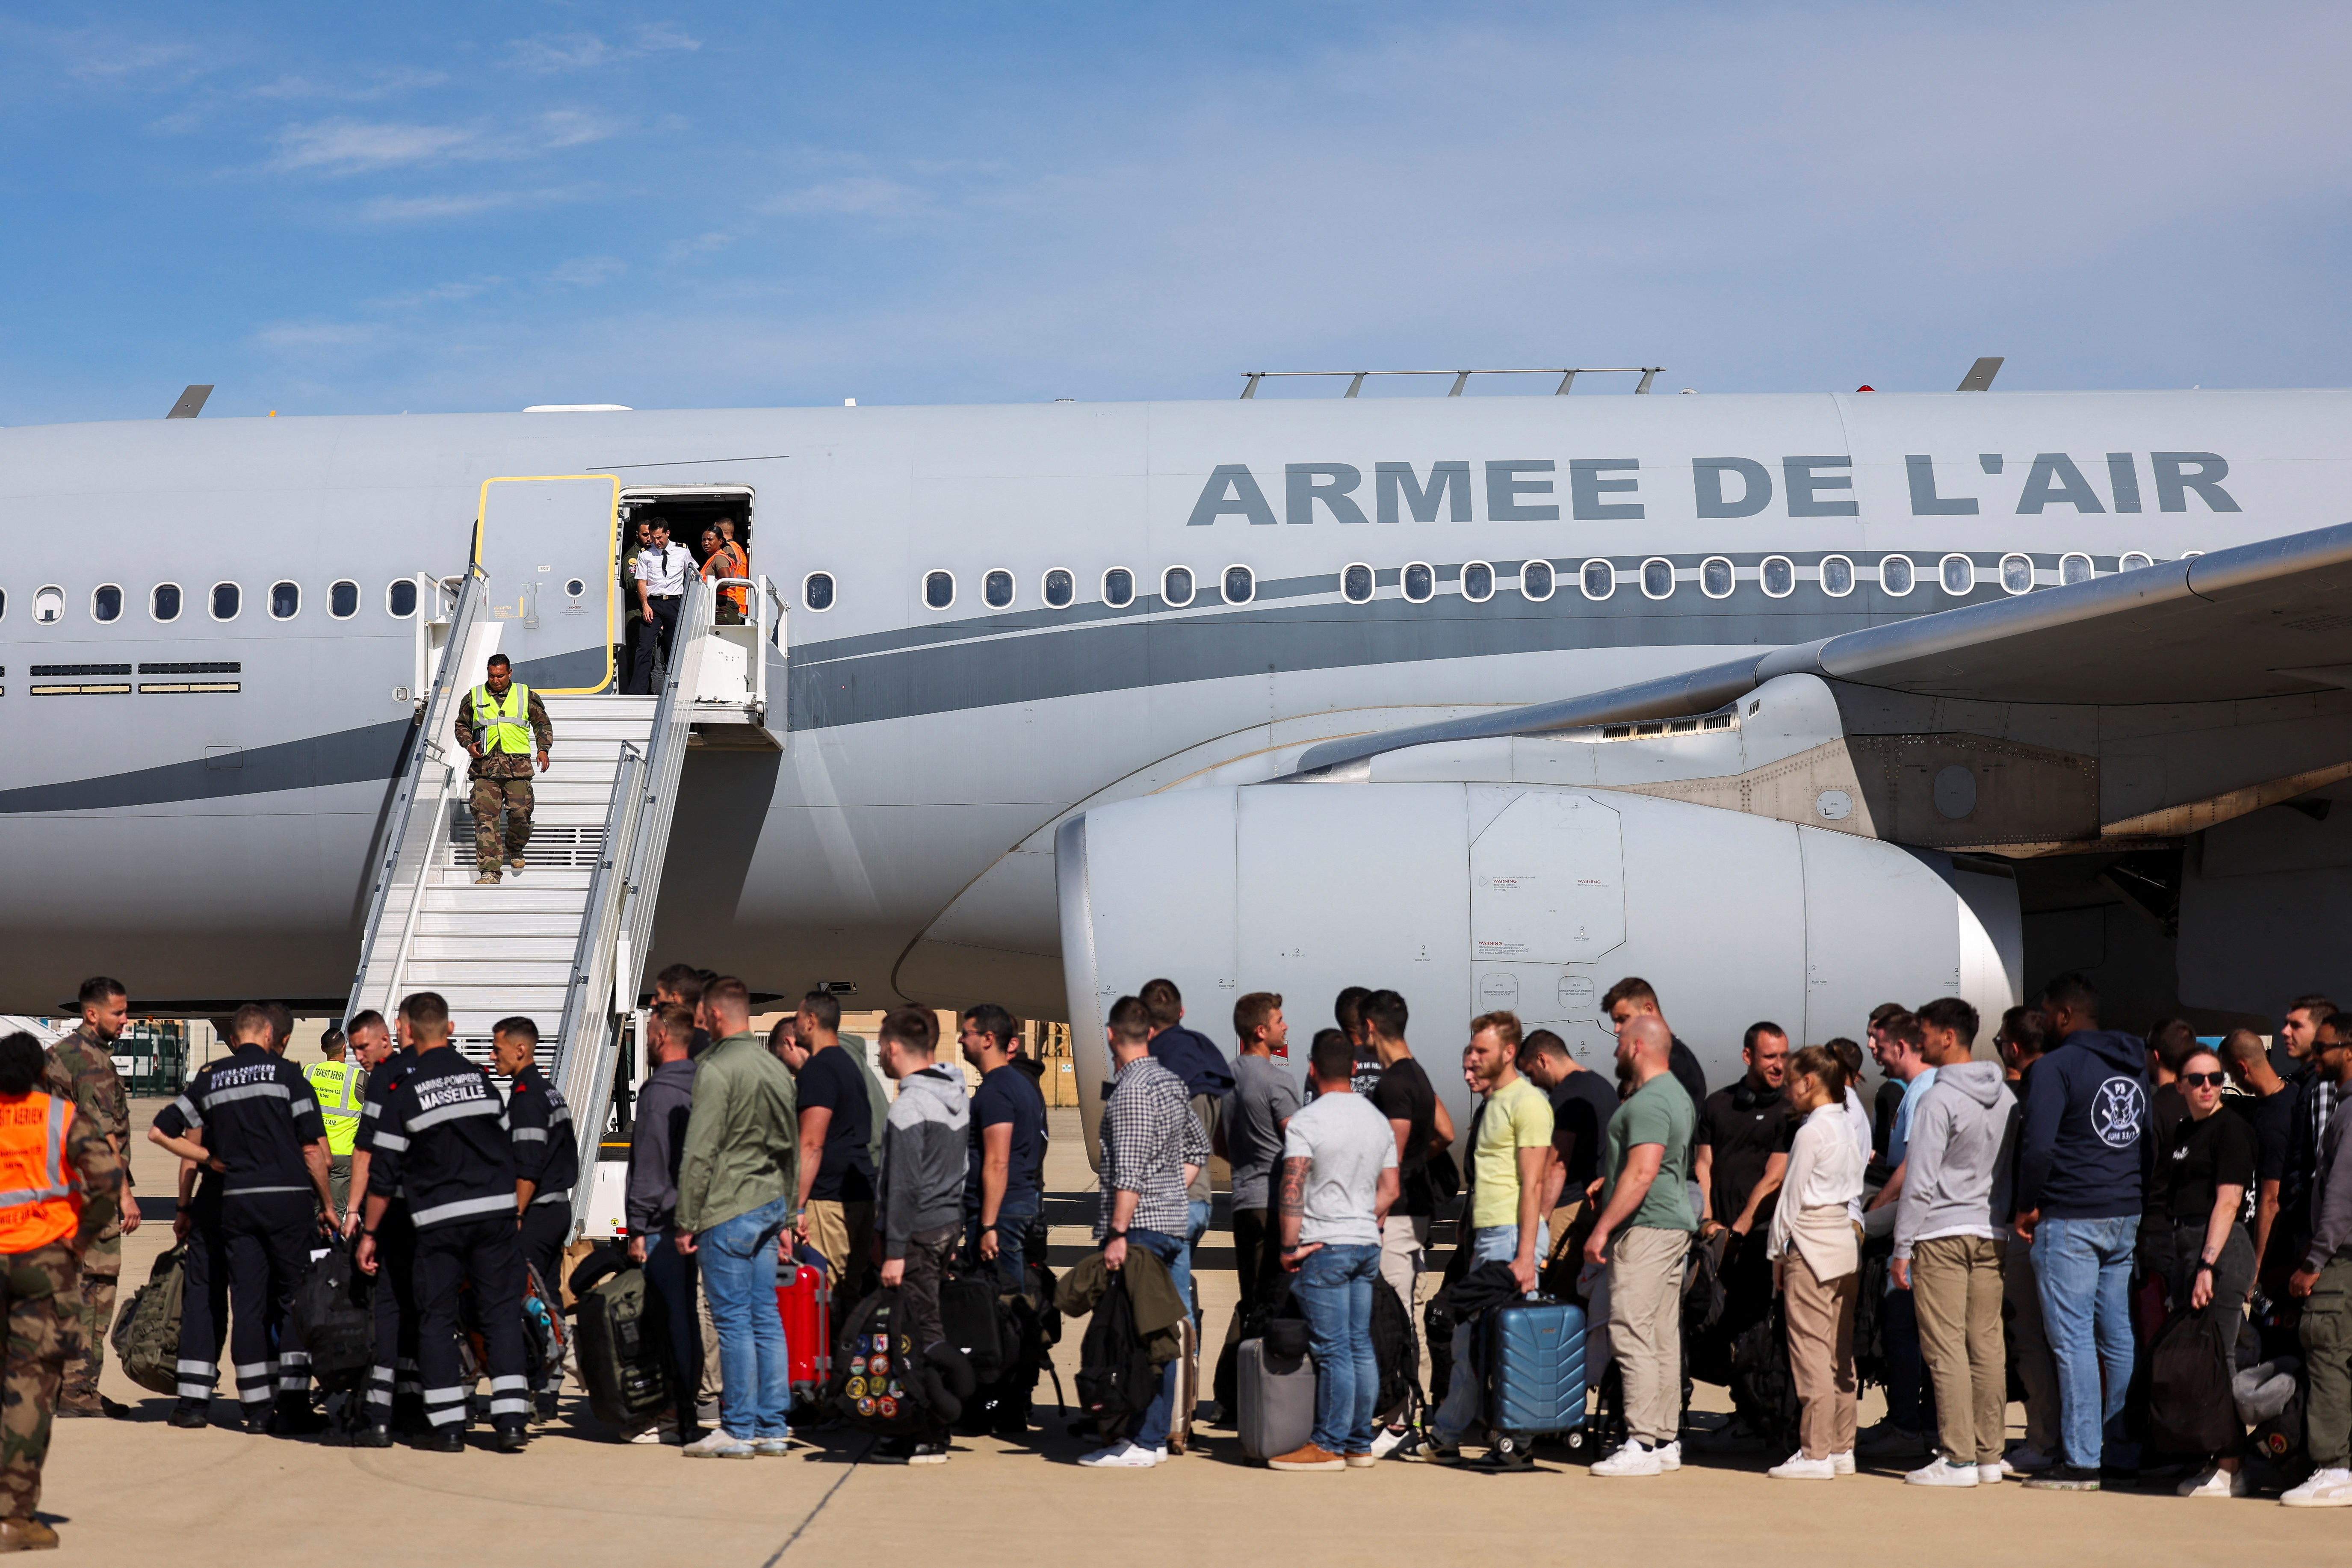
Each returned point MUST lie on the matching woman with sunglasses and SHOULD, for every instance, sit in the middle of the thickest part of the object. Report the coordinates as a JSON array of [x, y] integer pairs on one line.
[[2203, 1177]]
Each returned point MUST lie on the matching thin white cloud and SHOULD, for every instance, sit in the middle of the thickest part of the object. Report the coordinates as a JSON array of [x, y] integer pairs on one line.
[[547, 54], [343, 146], [587, 271], [439, 294], [859, 195], [317, 335], [446, 205], [368, 87]]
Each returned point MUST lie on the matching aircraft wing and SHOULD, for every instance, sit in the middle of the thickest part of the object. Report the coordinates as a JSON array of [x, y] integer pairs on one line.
[[2267, 620]]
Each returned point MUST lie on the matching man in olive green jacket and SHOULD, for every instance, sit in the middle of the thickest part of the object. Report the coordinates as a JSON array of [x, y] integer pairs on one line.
[[736, 1181]]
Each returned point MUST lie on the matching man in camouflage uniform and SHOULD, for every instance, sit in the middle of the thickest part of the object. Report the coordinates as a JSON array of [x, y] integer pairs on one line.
[[81, 1069], [496, 723], [38, 1283]]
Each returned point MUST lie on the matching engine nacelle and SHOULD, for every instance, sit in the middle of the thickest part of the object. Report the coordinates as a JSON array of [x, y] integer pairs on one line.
[[1469, 897]]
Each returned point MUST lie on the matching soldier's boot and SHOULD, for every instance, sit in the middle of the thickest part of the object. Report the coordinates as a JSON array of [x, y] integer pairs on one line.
[[26, 1534], [511, 1435], [257, 1418], [371, 1437], [486, 879], [514, 863], [194, 1415], [449, 1439], [296, 1418]]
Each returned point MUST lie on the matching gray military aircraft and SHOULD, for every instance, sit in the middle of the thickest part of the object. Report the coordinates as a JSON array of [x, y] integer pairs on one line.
[[1773, 699]]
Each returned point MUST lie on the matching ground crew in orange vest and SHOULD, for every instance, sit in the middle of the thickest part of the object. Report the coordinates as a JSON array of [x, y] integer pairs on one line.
[[60, 1180]]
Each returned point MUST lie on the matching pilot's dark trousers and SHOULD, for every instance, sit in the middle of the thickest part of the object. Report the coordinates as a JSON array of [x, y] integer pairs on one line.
[[653, 635]]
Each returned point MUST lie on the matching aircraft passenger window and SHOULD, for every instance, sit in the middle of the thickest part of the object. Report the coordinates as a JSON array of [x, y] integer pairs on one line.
[[1657, 577], [1714, 577], [2075, 568], [2132, 560], [817, 591], [2016, 574], [285, 598], [1894, 574], [1536, 581], [939, 589], [49, 605], [1356, 582], [1778, 575], [1118, 587], [399, 599], [1599, 578], [1419, 583], [1478, 582], [1176, 587], [997, 589], [343, 598], [1959, 575], [1241, 585], [4, 603], [1060, 588], [1837, 576], [106, 603]]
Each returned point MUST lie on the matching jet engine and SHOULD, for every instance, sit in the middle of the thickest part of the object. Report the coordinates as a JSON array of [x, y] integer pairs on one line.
[[1469, 897]]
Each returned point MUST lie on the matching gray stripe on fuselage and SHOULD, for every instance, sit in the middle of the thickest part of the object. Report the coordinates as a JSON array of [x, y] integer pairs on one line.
[[347, 756]]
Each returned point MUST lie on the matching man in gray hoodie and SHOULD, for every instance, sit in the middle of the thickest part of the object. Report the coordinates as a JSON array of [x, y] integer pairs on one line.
[[1947, 1250], [924, 1143]]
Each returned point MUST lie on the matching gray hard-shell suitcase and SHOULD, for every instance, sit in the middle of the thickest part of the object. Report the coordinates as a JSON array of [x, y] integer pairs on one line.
[[1277, 1402]]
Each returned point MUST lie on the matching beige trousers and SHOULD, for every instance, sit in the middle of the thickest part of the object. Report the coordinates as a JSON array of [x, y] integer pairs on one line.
[[843, 1233], [1955, 1284], [1820, 1314], [1404, 1254], [1646, 1302]]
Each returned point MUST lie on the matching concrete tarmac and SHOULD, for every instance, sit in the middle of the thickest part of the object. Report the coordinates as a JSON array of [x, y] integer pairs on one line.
[[141, 1492]]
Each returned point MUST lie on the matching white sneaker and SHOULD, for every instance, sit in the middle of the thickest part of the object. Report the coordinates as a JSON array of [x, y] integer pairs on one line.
[[1988, 1475], [2215, 1481], [1670, 1455], [718, 1444], [2331, 1487], [1635, 1458], [659, 1431], [1124, 1456], [1387, 1438], [1842, 1461], [1797, 1467], [772, 1446], [1938, 1472], [2024, 1460]]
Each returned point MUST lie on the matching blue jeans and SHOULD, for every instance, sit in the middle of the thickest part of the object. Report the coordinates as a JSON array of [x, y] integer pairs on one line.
[[2084, 1267], [1335, 1291], [669, 1275], [1150, 1429], [1013, 1214], [739, 1274], [1466, 1395], [1197, 1216]]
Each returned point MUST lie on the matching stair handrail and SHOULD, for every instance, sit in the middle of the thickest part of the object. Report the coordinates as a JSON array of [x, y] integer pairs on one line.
[[588, 1073], [404, 853]]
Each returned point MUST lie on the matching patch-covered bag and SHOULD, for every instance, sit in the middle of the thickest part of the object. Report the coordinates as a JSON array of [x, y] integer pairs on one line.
[[872, 1383]]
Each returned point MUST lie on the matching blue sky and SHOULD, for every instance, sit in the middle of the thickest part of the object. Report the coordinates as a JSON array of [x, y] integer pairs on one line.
[[343, 209]]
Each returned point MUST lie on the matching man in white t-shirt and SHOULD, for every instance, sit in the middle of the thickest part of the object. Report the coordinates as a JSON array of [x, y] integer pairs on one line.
[[661, 570], [1338, 1177]]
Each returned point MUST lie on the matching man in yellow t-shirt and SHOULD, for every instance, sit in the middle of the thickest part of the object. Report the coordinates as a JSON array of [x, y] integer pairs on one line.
[[1507, 1220]]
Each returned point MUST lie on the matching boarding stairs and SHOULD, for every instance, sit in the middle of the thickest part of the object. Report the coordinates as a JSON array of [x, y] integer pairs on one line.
[[563, 943]]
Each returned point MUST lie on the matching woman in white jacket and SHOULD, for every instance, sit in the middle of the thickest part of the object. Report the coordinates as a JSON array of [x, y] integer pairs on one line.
[[1816, 1261]]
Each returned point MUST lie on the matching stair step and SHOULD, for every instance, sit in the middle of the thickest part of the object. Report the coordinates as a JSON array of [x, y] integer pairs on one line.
[[504, 925], [503, 944], [510, 897], [475, 1023], [487, 973], [497, 1001]]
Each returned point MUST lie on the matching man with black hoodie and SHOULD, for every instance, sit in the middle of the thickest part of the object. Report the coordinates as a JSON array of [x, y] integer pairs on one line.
[[1208, 1079], [2081, 1173]]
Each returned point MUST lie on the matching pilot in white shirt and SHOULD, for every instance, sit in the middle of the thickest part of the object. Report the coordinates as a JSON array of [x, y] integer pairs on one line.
[[661, 570]]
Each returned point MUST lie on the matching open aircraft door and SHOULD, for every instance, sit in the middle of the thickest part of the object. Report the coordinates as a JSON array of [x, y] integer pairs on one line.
[[548, 545]]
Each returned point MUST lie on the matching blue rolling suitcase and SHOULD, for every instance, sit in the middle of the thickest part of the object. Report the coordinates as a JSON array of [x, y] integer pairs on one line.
[[1534, 1356]]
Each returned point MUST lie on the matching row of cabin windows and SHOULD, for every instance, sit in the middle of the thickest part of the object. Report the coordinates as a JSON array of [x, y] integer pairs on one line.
[[1599, 579], [225, 601]]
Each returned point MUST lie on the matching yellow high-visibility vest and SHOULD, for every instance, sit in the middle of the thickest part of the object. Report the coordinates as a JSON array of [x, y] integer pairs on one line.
[[336, 1085], [504, 725]]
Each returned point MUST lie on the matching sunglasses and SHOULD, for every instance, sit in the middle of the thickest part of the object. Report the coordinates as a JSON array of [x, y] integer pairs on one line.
[[2204, 1079]]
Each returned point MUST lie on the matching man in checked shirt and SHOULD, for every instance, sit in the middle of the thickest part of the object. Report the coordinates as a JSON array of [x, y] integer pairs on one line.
[[1153, 1146]]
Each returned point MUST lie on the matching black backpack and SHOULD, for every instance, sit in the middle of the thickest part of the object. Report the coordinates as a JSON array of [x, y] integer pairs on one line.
[[1115, 1377], [1392, 1348], [873, 1385], [1763, 1384], [2191, 1406], [334, 1313], [972, 1321]]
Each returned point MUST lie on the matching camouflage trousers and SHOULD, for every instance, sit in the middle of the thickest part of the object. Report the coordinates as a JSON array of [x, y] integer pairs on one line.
[[41, 1287], [94, 1315], [489, 795]]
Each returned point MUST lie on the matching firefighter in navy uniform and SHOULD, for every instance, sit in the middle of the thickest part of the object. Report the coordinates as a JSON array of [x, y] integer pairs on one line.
[[251, 1125], [547, 1167], [394, 1396], [443, 1139]]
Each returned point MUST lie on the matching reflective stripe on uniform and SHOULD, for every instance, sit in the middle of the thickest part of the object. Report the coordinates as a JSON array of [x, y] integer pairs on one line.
[[440, 1113], [52, 1166], [531, 1134], [461, 1208], [249, 1092]]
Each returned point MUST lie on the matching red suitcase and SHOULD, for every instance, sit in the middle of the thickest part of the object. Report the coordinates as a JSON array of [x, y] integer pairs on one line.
[[805, 1301]]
